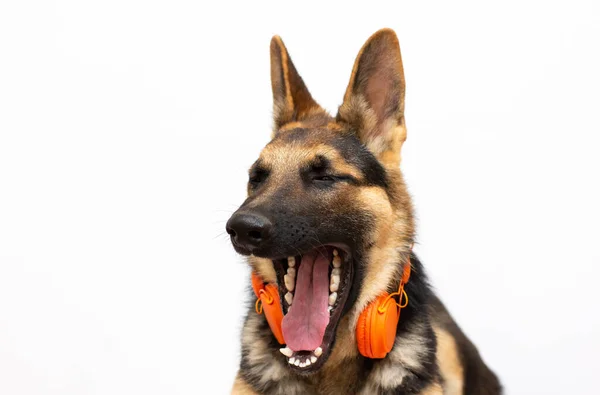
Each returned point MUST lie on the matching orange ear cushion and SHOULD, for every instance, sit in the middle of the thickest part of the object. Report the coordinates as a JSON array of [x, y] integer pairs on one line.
[[273, 312], [362, 338], [376, 327], [270, 304]]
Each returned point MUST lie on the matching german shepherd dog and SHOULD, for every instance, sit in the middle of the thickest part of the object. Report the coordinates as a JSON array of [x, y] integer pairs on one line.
[[328, 225]]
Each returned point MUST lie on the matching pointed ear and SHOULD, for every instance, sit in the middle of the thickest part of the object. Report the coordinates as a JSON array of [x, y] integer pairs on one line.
[[291, 99], [374, 101]]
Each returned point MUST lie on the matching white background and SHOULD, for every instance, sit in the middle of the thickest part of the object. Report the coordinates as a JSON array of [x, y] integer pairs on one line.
[[127, 127]]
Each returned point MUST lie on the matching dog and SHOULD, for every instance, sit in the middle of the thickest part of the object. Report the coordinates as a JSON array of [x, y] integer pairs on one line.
[[343, 304]]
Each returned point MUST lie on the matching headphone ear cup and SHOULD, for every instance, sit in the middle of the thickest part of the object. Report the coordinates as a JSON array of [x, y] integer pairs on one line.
[[363, 328], [376, 327], [273, 311]]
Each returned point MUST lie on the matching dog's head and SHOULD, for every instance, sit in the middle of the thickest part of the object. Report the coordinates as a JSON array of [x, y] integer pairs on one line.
[[327, 216]]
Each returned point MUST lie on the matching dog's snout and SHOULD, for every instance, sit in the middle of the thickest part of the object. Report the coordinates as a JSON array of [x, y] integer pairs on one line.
[[248, 231]]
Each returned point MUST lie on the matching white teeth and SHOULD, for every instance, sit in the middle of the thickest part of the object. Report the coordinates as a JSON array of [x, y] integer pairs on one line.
[[335, 252], [332, 298], [313, 359], [307, 363], [289, 282], [286, 351], [291, 272], [302, 364], [318, 351], [291, 261], [334, 283], [292, 360], [336, 272], [288, 298], [337, 261], [329, 308], [297, 363]]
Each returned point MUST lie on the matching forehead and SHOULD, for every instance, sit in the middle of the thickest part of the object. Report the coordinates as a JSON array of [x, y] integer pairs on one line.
[[343, 152], [301, 146]]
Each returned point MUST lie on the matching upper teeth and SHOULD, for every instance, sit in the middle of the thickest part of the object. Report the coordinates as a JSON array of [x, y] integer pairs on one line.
[[337, 261], [334, 282], [332, 298], [289, 279], [289, 282]]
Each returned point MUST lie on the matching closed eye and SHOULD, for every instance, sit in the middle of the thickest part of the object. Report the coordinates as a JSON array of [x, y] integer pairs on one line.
[[257, 177], [324, 178]]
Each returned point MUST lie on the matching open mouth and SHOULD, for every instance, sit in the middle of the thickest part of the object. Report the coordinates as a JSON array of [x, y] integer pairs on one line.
[[314, 288]]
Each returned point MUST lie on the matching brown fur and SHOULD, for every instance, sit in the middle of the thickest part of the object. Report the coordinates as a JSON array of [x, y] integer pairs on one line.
[[433, 389], [431, 355], [451, 369], [240, 387]]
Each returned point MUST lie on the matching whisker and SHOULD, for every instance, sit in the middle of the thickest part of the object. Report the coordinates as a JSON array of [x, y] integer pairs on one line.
[[221, 235]]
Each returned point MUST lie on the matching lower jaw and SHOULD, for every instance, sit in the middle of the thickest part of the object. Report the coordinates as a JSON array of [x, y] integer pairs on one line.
[[309, 361]]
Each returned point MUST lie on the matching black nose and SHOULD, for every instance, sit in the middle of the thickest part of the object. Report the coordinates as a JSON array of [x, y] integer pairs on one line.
[[249, 231]]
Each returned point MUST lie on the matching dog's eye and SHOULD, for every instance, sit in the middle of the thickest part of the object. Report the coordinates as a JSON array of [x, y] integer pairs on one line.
[[324, 179], [257, 177]]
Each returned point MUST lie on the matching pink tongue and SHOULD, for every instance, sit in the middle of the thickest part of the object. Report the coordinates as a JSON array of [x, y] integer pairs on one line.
[[304, 324]]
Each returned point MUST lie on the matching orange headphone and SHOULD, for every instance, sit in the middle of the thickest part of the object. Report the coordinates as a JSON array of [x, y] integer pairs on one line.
[[376, 326], [269, 302]]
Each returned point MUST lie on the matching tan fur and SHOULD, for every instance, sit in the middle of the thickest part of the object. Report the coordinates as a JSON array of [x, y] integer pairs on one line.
[[356, 111], [392, 244], [271, 368], [334, 126], [264, 268], [404, 358], [392, 156], [433, 389], [449, 362], [289, 157], [291, 126], [240, 387]]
